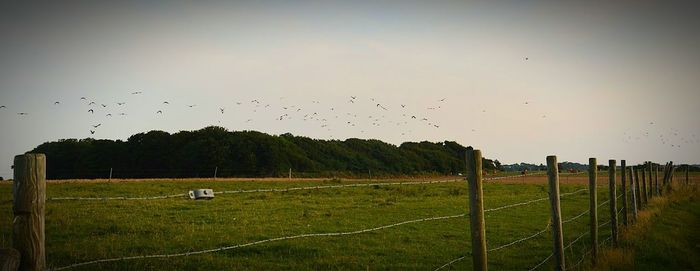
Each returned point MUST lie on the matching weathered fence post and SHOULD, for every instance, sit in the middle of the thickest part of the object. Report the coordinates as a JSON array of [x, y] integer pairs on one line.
[[9, 259], [557, 231], [644, 186], [216, 169], [687, 180], [633, 191], [656, 179], [651, 182], [593, 192], [613, 201], [623, 179], [29, 195], [290, 174], [110, 174], [476, 209], [637, 191]]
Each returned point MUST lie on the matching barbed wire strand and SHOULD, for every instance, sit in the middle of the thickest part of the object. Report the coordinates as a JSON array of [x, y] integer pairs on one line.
[[259, 242], [451, 262], [523, 239], [532, 201], [294, 188]]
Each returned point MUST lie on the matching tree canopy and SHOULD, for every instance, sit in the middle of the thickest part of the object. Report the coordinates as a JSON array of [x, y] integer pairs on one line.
[[158, 154]]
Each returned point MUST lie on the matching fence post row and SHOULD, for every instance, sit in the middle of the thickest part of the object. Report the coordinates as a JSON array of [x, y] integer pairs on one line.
[[593, 192], [623, 179], [557, 231], [476, 209], [29, 196], [613, 201], [633, 189]]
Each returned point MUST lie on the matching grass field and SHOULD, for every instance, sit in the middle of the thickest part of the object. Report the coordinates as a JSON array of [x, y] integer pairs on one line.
[[665, 237], [79, 231]]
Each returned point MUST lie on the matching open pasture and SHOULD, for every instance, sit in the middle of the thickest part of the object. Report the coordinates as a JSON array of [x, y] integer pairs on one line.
[[86, 230]]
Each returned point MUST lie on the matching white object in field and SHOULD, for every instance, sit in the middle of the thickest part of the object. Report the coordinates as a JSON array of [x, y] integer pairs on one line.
[[202, 194]]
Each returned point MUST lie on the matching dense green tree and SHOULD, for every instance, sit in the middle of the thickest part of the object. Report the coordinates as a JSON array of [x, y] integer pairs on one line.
[[158, 154]]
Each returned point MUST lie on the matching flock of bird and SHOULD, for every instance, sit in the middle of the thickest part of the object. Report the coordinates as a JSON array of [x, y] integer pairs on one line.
[[324, 116], [402, 117]]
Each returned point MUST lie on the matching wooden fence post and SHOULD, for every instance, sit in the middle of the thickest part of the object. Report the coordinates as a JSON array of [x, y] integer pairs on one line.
[[29, 194], [613, 201], [687, 180], [9, 259], [656, 179], [623, 179], [476, 209], [651, 182], [637, 187], [644, 185], [593, 191], [633, 190], [557, 231]]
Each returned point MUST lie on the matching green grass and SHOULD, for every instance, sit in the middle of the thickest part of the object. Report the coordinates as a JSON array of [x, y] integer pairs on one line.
[[665, 238], [78, 231]]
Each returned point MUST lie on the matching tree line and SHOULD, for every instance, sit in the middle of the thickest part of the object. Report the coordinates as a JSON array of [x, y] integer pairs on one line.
[[215, 150]]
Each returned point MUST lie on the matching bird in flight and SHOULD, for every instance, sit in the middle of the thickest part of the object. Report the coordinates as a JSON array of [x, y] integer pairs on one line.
[[22, 114], [137, 92], [190, 106], [98, 125], [443, 99], [2, 106], [103, 105], [120, 104], [222, 110], [527, 103], [159, 112], [413, 117], [91, 103], [91, 111], [55, 103], [380, 106], [166, 102], [527, 58], [92, 132], [108, 115], [122, 114], [83, 98]]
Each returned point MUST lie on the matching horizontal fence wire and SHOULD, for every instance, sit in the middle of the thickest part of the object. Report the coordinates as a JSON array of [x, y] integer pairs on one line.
[[583, 256], [451, 262], [521, 240], [307, 235], [567, 246], [532, 201], [295, 237], [526, 238], [318, 187]]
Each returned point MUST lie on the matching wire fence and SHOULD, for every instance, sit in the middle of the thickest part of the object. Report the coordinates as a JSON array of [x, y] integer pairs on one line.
[[332, 234], [507, 244]]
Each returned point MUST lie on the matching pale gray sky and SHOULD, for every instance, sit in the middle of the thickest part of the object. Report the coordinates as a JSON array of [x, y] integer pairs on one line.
[[597, 73]]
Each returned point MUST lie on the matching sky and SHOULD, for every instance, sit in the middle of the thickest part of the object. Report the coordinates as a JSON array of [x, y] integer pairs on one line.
[[519, 80]]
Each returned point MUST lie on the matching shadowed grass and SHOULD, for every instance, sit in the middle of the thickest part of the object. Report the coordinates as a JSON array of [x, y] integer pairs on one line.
[[664, 237]]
